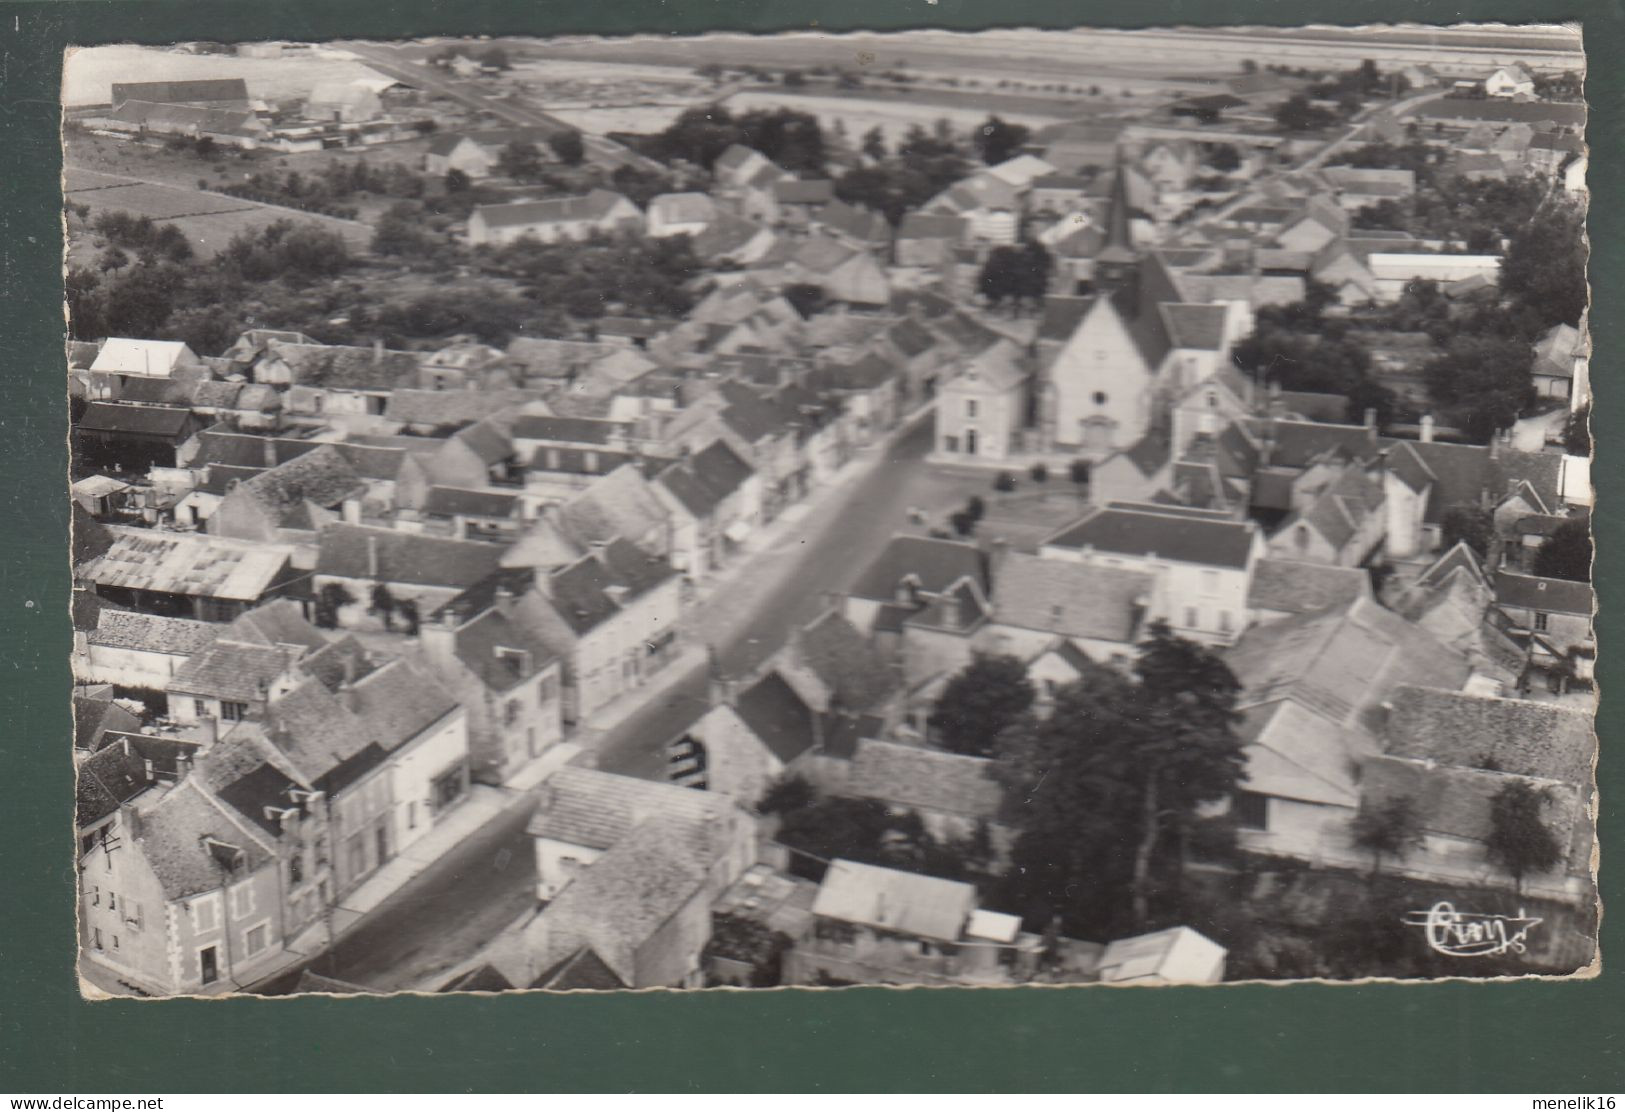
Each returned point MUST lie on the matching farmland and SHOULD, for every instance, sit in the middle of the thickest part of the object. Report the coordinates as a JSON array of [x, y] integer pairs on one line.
[[209, 220], [857, 114]]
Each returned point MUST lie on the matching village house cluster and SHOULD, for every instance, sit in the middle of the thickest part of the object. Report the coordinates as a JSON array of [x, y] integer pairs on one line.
[[336, 606]]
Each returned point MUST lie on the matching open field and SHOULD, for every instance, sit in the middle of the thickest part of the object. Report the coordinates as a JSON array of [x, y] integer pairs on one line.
[[90, 71], [857, 114], [208, 219]]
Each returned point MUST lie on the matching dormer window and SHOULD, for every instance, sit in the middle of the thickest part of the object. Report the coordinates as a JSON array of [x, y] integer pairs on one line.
[[1213, 399], [517, 661]]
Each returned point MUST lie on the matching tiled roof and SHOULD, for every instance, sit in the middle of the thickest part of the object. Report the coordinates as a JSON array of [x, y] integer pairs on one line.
[[936, 564], [910, 337], [582, 971], [399, 701], [129, 629], [349, 551], [793, 191], [444, 142], [777, 716], [567, 430], [452, 407], [93, 717], [620, 900], [454, 502], [106, 781], [893, 900], [1167, 532], [703, 481], [188, 564], [925, 779], [346, 368], [1199, 327], [1541, 740], [322, 477], [595, 205], [925, 225], [682, 208], [856, 222], [1069, 598], [338, 663], [276, 622], [314, 729], [619, 504], [478, 643], [584, 594], [1530, 592], [1457, 801], [231, 670], [138, 420], [193, 846], [586, 807], [1295, 587], [1062, 315]]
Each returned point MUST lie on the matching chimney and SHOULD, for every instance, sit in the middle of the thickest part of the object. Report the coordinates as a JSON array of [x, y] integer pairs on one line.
[[268, 450], [1427, 428], [721, 690], [997, 557], [348, 665], [352, 511], [502, 598], [372, 556], [1370, 417]]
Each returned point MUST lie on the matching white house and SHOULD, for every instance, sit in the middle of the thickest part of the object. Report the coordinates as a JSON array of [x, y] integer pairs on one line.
[[1510, 81], [554, 219], [981, 410]]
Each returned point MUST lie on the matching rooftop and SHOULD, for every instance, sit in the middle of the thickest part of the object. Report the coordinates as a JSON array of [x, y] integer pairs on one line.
[[191, 564], [1069, 598], [925, 779], [893, 900], [1162, 532]]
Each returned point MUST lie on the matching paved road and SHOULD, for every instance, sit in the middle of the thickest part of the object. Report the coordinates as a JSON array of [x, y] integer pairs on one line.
[[442, 915], [390, 62], [840, 539]]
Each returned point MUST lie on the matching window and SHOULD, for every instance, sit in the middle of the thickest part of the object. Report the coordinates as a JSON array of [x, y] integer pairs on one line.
[[95, 895], [1224, 621], [547, 690], [1541, 620], [1212, 399], [950, 443], [516, 661], [256, 939], [296, 868], [208, 961], [510, 712], [233, 712], [242, 900], [970, 407], [1100, 397], [1252, 810], [412, 815], [206, 913], [132, 914], [115, 942], [1049, 689], [200, 708], [96, 937], [1300, 537], [112, 900], [1190, 617]]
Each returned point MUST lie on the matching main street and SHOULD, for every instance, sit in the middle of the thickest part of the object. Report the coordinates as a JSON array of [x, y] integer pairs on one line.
[[442, 916]]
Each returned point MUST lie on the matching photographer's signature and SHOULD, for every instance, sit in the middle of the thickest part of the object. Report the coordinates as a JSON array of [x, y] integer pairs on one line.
[[1471, 934]]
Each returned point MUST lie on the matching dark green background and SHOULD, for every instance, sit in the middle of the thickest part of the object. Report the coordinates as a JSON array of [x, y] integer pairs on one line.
[[1497, 1037]]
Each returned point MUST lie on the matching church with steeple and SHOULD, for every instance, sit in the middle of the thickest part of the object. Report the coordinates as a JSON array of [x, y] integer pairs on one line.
[[1111, 361]]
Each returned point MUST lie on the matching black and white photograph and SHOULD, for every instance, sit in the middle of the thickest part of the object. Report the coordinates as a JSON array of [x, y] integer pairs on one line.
[[1049, 508]]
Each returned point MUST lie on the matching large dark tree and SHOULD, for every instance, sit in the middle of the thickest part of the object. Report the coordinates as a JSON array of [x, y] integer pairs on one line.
[[980, 702], [521, 160], [1566, 554], [1519, 840], [1544, 266], [1483, 382], [567, 147], [997, 140], [1389, 829], [1113, 782], [1467, 522]]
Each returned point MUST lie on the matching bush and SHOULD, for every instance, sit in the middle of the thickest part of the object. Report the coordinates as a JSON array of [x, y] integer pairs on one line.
[[1006, 482]]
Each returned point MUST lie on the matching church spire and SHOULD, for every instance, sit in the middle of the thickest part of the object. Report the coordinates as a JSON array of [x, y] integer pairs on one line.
[[1118, 263]]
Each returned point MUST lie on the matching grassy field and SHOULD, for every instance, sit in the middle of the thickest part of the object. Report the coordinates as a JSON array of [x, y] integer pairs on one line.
[[209, 220], [892, 115]]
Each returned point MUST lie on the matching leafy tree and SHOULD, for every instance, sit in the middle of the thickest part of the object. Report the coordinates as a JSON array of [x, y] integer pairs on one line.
[[113, 258], [874, 144], [964, 524], [521, 160], [1388, 829], [1467, 522], [567, 147], [1016, 275], [1519, 840], [1297, 114], [996, 140], [806, 298], [1483, 382], [407, 610], [1566, 554], [1004, 483], [975, 507], [404, 231], [751, 941], [1577, 433], [1078, 471], [457, 181], [1040, 472], [425, 127], [495, 57], [1544, 265], [1224, 158], [383, 604], [980, 702], [786, 794], [329, 601], [1114, 781]]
